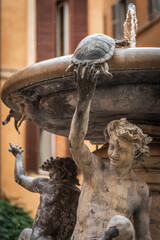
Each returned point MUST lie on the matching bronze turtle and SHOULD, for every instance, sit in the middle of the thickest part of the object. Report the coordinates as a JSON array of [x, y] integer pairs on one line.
[[95, 49]]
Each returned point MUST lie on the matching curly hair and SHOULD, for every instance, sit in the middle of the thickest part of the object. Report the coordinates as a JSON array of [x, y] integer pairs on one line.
[[130, 132], [65, 167]]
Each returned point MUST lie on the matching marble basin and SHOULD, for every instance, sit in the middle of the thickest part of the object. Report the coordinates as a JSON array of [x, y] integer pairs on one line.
[[46, 94]]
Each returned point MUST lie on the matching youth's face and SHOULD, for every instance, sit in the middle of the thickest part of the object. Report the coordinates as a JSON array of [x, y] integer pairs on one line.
[[120, 152]]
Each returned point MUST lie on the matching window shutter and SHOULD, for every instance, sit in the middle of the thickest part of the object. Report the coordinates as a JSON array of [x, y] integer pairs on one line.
[[78, 22], [153, 8], [116, 19], [119, 10], [46, 29], [46, 48], [32, 147]]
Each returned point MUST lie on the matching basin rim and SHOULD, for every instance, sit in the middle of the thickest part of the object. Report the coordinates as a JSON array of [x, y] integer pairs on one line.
[[147, 58]]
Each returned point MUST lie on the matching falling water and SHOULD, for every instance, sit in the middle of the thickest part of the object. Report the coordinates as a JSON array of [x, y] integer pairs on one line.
[[130, 25]]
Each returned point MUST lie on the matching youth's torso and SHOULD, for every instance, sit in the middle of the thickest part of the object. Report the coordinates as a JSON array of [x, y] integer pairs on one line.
[[57, 210], [101, 199]]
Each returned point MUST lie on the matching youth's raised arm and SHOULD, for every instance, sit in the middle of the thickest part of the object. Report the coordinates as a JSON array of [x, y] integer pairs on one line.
[[85, 78], [30, 183]]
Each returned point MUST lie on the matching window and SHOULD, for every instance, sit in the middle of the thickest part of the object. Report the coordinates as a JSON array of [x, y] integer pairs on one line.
[[58, 31], [48, 143], [153, 8], [119, 10], [78, 22], [46, 29], [47, 147], [62, 29]]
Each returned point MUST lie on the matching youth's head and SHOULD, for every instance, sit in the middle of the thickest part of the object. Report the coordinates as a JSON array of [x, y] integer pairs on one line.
[[121, 133], [61, 169]]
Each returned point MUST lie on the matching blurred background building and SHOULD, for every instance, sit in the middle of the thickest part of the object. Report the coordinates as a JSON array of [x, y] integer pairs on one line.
[[36, 30]]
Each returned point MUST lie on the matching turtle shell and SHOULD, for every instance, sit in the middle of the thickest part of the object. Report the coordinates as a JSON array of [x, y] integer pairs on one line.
[[95, 48]]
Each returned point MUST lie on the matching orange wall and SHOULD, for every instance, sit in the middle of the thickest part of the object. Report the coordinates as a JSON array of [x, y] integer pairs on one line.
[[141, 12], [148, 30], [13, 57], [108, 5], [96, 16], [149, 35], [29, 201], [13, 33], [61, 146]]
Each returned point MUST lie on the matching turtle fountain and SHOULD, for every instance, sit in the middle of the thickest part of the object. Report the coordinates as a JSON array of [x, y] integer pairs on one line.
[[45, 94]]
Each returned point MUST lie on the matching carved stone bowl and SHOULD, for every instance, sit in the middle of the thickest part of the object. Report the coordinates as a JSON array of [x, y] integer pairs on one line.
[[46, 94]]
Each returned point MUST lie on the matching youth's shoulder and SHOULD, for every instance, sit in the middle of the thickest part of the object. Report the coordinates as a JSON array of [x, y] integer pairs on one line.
[[143, 188], [100, 163], [96, 160], [41, 182]]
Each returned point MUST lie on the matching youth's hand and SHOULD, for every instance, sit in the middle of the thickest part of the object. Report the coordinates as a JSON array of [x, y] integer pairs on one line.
[[15, 150], [86, 79]]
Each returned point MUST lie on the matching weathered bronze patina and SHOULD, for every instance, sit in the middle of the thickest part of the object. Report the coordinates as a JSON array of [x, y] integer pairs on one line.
[[56, 214], [96, 49]]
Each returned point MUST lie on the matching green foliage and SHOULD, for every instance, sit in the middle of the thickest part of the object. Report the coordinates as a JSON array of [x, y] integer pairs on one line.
[[12, 220]]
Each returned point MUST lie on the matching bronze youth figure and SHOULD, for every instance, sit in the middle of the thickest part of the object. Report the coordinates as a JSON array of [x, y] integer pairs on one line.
[[56, 213], [110, 188]]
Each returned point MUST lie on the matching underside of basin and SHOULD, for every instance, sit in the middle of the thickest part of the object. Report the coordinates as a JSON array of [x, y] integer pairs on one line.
[[45, 93]]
